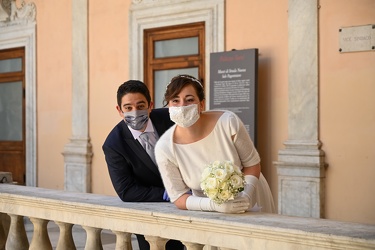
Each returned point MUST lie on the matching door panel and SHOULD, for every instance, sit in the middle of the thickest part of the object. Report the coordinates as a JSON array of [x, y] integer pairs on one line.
[[12, 114], [11, 111], [172, 50], [162, 78]]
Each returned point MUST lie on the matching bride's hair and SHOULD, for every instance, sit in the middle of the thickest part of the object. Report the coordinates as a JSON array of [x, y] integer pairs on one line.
[[178, 82]]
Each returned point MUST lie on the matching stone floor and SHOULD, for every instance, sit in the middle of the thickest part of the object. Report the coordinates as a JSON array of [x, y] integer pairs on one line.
[[79, 236]]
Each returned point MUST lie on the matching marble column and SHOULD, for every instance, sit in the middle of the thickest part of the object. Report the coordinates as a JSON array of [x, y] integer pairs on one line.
[[78, 152], [300, 166]]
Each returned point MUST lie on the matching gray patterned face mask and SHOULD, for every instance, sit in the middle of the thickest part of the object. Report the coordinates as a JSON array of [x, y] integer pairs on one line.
[[184, 116], [136, 119]]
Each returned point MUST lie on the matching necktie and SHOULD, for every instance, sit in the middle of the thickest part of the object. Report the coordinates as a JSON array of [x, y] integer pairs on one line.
[[148, 142]]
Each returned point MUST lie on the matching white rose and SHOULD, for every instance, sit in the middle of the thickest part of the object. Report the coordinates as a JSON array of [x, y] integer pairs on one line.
[[221, 174], [228, 166], [225, 195], [206, 173], [211, 193], [236, 181], [224, 186], [216, 164], [211, 183], [203, 185]]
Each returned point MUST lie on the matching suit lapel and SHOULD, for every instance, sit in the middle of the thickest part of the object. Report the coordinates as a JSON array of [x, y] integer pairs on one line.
[[138, 150]]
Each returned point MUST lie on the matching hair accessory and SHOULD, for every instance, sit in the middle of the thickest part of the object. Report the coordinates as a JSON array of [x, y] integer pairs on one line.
[[187, 77]]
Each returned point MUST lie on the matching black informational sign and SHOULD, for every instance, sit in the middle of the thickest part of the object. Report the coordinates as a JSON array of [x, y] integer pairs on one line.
[[233, 85]]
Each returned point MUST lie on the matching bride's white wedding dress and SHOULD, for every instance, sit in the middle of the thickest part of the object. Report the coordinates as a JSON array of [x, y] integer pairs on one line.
[[181, 165]]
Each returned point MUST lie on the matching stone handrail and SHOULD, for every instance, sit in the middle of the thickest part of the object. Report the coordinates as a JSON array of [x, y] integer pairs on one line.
[[162, 221]]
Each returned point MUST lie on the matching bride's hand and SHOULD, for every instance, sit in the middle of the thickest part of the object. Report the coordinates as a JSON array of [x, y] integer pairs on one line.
[[238, 205], [249, 189]]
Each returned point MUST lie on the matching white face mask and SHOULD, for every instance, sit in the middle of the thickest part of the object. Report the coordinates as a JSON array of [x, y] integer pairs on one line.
[[184, 116]]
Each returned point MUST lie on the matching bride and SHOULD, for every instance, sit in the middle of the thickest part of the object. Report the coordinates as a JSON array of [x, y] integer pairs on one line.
[[199, 138]]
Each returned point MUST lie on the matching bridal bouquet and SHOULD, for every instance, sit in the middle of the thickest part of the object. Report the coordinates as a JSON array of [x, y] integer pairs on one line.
[[222, 181]]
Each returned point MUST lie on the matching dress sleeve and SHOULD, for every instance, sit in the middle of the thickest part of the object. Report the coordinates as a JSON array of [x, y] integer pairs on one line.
[[169, 170], [244, 145]]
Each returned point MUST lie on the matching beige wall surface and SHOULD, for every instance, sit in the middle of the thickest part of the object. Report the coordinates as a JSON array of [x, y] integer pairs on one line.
[[347, 87], [347, 113], [109, 66], [54, 87]]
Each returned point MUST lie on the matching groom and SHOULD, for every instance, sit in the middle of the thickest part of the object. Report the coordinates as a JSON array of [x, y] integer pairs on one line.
[[129, 156]]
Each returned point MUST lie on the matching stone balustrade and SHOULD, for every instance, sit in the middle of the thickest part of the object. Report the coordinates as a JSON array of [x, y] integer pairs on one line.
[[162, 221]]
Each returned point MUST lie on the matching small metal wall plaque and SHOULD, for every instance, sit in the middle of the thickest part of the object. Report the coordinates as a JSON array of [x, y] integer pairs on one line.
[[357, 38]]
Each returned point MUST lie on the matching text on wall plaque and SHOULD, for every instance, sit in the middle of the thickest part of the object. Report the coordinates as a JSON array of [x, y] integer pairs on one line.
[[357, 38]]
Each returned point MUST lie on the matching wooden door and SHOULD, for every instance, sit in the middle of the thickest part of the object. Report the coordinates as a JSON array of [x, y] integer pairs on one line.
[[172, 50], [12, 113]]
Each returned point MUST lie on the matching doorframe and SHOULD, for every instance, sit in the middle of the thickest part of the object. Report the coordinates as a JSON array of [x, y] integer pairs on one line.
[[163, 34], [22, 33], [148, 14]]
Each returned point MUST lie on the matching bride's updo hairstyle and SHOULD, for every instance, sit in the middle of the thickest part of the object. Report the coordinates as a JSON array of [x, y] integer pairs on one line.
[[177, 83]]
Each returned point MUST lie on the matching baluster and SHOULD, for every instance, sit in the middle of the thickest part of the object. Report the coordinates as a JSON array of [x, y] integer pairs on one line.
[[209, 247], [4, 229], [93, 241], [3, 237], [156, 243], [192, 246], [40, 238], [17, 238], [65, 241], [123, 240]]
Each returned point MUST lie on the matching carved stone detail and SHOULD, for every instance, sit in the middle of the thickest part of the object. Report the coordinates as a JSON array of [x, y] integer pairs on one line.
[[26, 12], [6, 6], [10, 14]]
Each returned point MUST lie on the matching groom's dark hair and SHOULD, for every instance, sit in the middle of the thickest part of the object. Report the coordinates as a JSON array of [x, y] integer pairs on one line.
[[133, 86]]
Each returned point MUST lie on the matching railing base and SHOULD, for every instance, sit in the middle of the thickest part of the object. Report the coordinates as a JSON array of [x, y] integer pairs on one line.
[[162, 221]]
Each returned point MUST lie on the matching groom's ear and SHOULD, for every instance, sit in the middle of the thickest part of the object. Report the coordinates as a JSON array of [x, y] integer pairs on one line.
[[151, 105], [120, 111]]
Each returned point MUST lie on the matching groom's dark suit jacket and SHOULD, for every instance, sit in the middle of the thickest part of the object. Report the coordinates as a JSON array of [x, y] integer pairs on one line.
[[134, 175]]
